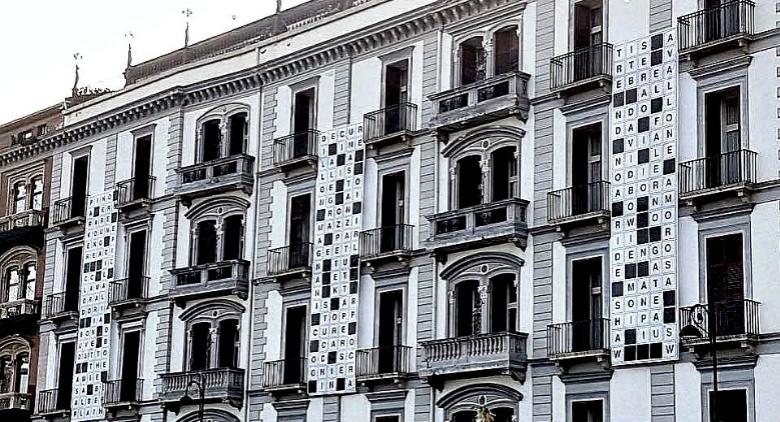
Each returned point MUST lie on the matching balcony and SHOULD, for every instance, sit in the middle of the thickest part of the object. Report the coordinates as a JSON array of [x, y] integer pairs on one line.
[[18, 316], [390, 125], [22, 228], [480, 225], [58, 307], [286, 375], [211, 280], [388, 363], [134, 193], [579, 205], [578, 340], [387, 244], [128, 293], [118, 394], [15, 405], [68, 212], [216, 176], [581, 70], [220, 385], [718, 174], [736, 322], [51, 403], [295, 151], [475, 356], [728, 25], [481, 102], [290, 261]]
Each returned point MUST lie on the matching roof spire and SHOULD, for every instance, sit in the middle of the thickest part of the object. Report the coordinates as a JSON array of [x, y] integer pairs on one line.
[[75, 90], [187, 13], [129, 35]]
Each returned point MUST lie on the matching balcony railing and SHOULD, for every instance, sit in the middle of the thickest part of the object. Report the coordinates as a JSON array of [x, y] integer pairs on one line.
[[16, 401], [581, 66], [234, 172], [128, 290], [294, 149], [718, 172], [481, 102], [498, 221], [290, 259], [51, 401], [383, 362], [484, 353], [28, 218], [579, 338], [578, 202], [134, 190], [16, 308], [714, 25], [284, 374], [734, 320], [389, 122], [384, 241], [68, 209], [223, 384], [212, 279], [60, 304], [120, 392]]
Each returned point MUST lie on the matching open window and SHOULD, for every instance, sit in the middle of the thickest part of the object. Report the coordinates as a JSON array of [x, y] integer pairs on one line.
[[14, 366], [587, 39], [131, 349], [233, 237], [586, 169], [136, 264], [228, 343], [587, 411], [142, 167], [503, 303], [726, 283], [65, 374], [298, 230], [472, 61], [733, 405], [211, 140], [200, 346], [722, 133], [207, 242], [73, 279], [396, 94], [506, 45], [78, 186], [390, 330], [504, 174], [393, 211], [467, 308], [238, 131], [586, 304], [469, 178], [294, 343]]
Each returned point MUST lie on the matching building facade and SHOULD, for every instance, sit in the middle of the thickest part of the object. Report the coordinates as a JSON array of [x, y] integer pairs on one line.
[[420, 210]]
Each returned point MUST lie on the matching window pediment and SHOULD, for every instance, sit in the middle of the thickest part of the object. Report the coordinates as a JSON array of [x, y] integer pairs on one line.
[[483, 142]]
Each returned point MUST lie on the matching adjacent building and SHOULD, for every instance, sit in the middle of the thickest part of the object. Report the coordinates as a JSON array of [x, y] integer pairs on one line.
[[417, 210]]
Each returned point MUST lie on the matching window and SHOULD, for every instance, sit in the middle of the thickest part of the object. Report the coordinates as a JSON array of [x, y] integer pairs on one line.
[[469, 174], [506, 45], [472, 61], [294, 343], [42, 130], [464, 416], [588, 30], [20, 197], [722, 121], [228, 343], [467, 311], [233, 238], [223, 132], [131, 349], [587, 411], [586, 170], [732, 405], [504, 172], [79, 186], [142, 167], [37, 193], [18, 273], [213, 344], [299, 231], [390, 330], [387, 419], [304, 102], [218, 241], [238, 129], [503, 303], [726, 283], [586, 304], [14, 366], [207, 242], [136, 264], [72, 279], [200, 346], [212, 137], [65, 374]]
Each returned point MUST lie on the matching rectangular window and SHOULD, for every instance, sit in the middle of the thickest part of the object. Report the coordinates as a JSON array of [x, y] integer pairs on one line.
[[238, 133], [233, 237], [390, 331], [300, 217], [131, 348], [726, 283], [72, 279], [228, 343], [304, 103], [586, 304], [586, 170], [200, 346], [294, 344], [65, 374], [732, 405], [207, 242], [142, 167], [393, 418], [136, 264], [588, 30], [587, 411], [78, 187]]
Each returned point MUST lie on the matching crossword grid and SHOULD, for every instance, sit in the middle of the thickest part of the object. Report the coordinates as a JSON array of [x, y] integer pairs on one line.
[[644, 200], [336, 266]]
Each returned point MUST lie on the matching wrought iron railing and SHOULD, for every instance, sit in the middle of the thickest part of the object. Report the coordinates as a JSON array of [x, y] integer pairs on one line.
[[714, 24], [577, 200], [240, 164], [379, 361], [28, 218], [471, 219], [733, 318], [58, 304], [17, 307], [384, 240], [294, 147], [210, 273], [122, 391], [389, 121], [581, 65], [285, 372], [718, 171], [68, 208], [127, 289], [51, 401], [577, 337], [134, 189], [289, 258]]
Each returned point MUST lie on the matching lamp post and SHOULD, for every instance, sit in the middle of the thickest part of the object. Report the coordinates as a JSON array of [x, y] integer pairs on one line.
[[704, 319], [200, 383]]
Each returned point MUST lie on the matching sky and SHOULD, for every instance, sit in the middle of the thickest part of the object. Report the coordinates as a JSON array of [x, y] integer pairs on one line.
[[38, 39]]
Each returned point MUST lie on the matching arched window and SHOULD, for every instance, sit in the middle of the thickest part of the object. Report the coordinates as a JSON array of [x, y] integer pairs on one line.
[[213, 335], [218, 230], [473, 66], [37, 193], [20, 197], [506, 46], [18, 272], [223, 132], [465, 403], [14, 365]]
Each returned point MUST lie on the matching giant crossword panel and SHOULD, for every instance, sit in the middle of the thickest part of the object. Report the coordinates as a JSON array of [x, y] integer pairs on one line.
[[643, 178], [336, 263], [92, 352]]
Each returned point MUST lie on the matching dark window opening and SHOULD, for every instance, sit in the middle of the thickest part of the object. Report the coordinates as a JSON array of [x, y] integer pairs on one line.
[[238, 133], [387, 419], [393, 211], [722, 138], [396, 93], [586, 306], [207, 242], [726, 283], [503, 414], [65, 375], [587, 411], [294, 344], [469, 173], [390, 330], [504, 173], [200, 346], [130, 358], [464, 416], [136, 264], [472, 61], [22, 373], [503, 303], [467, 309], [142, 167], [73, 279], [78, 187], [732, 405], [233, 238], [228, 343], [507, 46], [212, 140], [586, 195], [588, 28], [303, 114]]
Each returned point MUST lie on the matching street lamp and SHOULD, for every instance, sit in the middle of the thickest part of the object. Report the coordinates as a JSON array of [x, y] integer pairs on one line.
[[200, 383], [703, 323]]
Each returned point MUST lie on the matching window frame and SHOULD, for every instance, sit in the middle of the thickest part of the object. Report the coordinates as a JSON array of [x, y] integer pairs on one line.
[[221, 113]]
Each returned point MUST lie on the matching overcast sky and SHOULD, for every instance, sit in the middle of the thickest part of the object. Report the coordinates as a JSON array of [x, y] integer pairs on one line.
[[39, 37]]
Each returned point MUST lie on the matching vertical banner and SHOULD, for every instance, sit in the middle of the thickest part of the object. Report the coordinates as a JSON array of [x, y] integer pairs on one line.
[[92, 348], [336, 263], [643, 177]]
